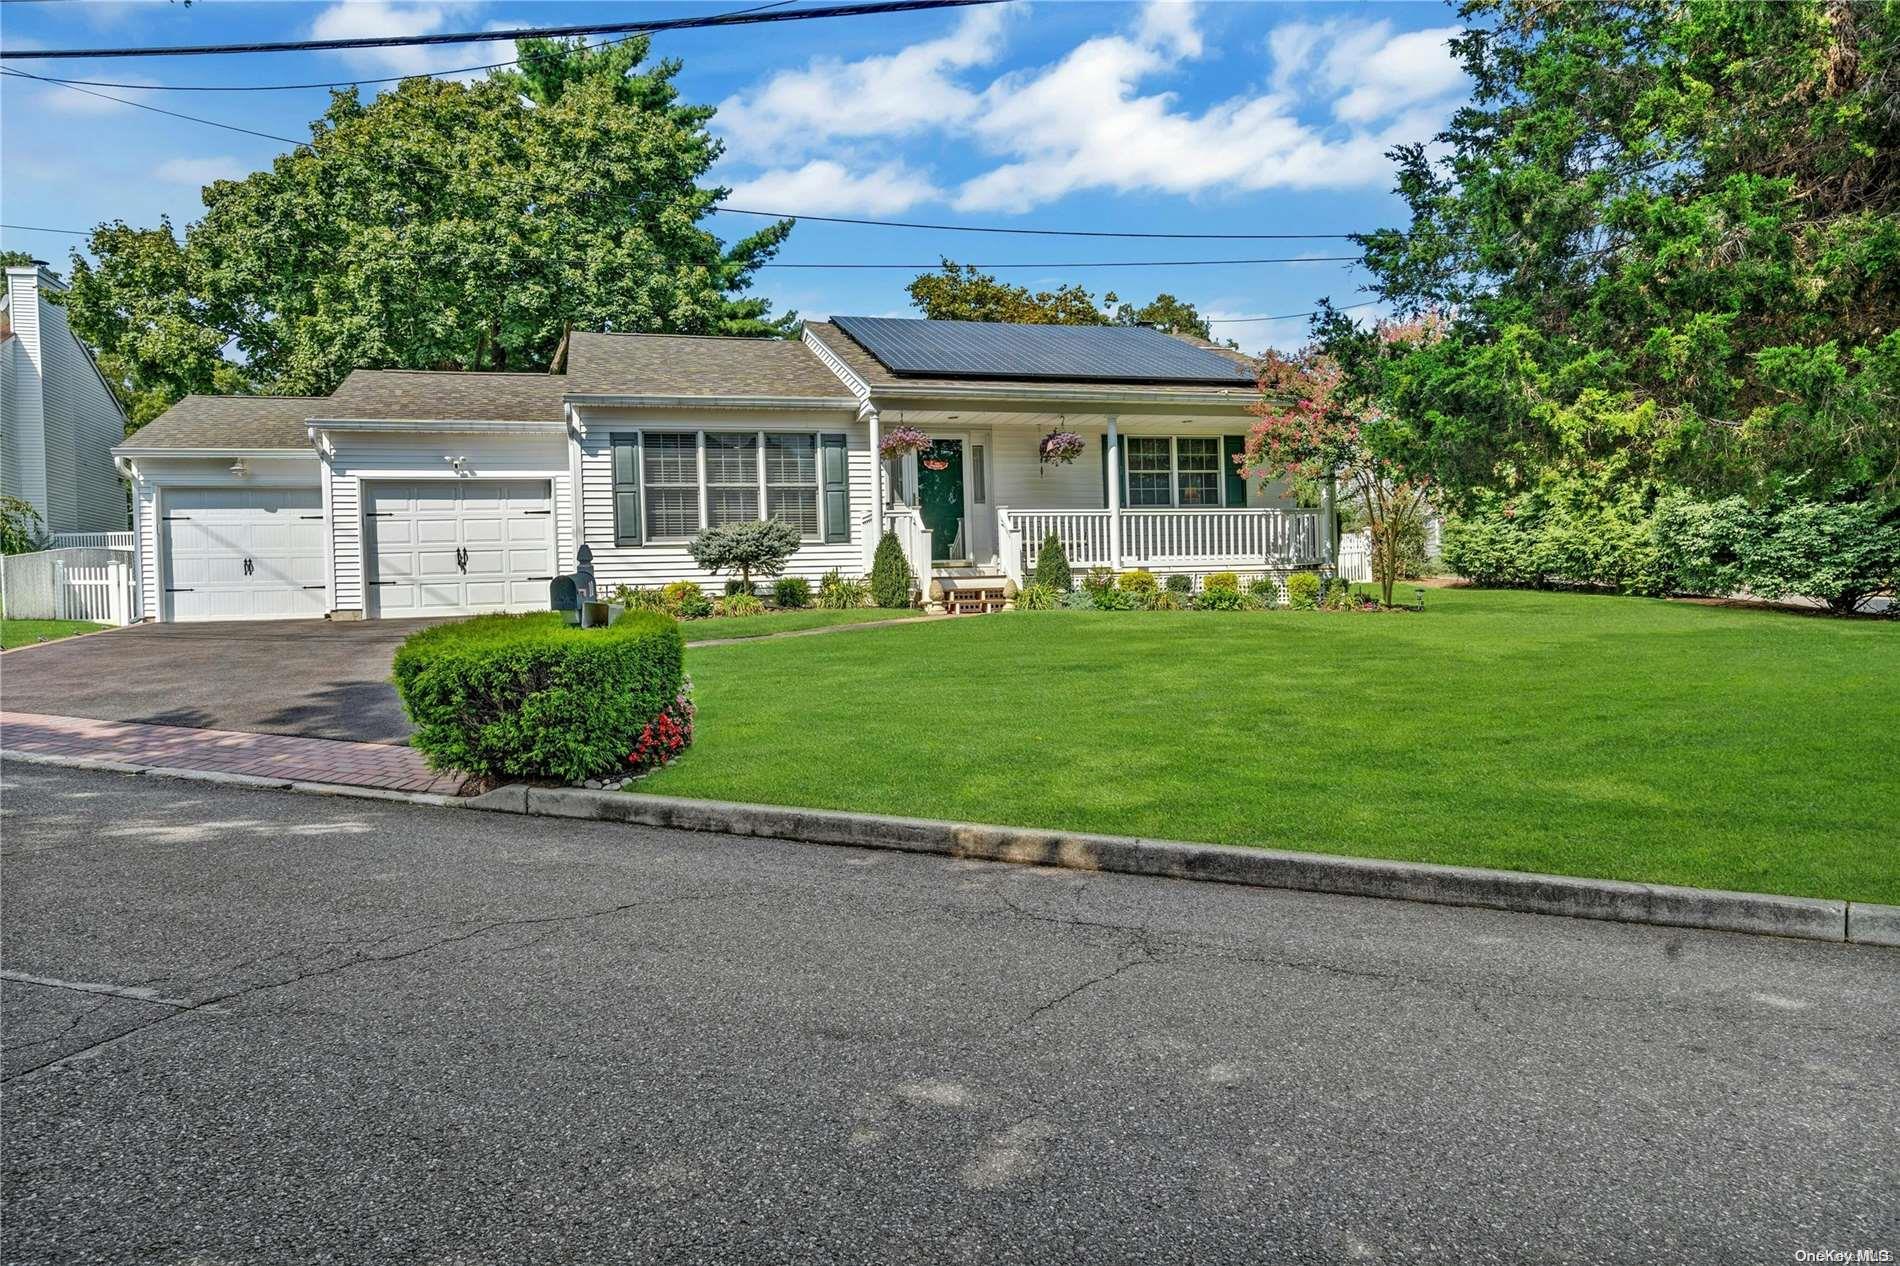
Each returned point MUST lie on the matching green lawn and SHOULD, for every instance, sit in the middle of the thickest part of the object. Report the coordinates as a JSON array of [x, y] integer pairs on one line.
[[786, 622], [26, 632], [1584, 735]]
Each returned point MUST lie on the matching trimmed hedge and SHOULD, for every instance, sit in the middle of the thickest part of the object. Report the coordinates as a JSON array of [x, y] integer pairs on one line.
[[529, 696]]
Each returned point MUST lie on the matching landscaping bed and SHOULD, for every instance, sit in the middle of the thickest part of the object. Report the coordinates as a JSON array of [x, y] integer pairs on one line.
[[1616, 737]]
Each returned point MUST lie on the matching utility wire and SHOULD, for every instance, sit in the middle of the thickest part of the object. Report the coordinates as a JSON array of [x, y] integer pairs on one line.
[[353, 83], [140, 105], [487, 37], [1107, 263], [981, 228], [1289, 316]]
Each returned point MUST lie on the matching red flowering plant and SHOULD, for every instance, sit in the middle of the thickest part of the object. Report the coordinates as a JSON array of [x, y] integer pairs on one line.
[[1313, 428], [666, 735]]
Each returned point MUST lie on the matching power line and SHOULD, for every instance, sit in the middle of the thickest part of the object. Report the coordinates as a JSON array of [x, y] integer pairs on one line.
[[979, 228], [1108, 263], [352, 83], [487, 37], [140, 105], [38, 228], [1289, 316]]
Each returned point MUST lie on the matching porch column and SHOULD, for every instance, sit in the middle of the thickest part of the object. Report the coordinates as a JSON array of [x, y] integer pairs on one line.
[[1114, 495], [868, 412], [1326, 496]]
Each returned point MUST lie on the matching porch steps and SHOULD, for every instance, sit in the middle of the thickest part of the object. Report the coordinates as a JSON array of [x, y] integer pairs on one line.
[[972, 595]]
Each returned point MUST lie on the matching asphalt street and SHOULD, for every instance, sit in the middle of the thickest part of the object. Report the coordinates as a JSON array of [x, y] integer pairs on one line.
[[247, 1026]]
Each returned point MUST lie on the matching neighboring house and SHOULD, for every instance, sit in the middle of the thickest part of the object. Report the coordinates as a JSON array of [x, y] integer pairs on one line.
[[58, 419], [434, 493]]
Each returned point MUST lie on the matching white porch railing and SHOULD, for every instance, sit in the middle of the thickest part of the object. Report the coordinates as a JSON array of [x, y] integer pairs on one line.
[[93, 540], [908, 526], [1181, 539]]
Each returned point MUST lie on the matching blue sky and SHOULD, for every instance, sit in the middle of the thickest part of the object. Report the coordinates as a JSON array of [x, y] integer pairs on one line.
[[1156, 117]]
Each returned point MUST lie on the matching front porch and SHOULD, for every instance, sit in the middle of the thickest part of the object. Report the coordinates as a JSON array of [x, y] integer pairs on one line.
[[1163, 493]]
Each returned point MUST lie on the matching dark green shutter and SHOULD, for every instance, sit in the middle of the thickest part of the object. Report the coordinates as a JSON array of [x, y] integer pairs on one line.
[[1231, 447], [837, 473], [627, 521], [1105, 472]]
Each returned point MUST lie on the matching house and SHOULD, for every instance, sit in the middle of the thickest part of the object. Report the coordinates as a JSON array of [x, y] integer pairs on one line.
[[435, 493], [58, 419]]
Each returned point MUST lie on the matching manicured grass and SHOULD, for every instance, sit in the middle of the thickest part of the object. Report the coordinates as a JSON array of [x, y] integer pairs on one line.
[[785, 622], [26, 632], [1617, 737]]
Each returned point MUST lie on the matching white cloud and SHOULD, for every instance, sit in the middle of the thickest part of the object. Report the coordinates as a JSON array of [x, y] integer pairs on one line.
[[1336, 96], [1085, 123], [200, 171], [795, 112], [826, 187], [350, 19]]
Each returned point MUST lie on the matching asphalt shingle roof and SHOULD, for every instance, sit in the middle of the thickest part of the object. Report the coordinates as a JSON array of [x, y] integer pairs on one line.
[[876, 375], [445, 396], [693, 365], [230, 422]]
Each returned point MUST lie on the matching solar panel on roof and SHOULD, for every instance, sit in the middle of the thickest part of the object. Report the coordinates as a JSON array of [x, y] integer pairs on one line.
[[993, 349]]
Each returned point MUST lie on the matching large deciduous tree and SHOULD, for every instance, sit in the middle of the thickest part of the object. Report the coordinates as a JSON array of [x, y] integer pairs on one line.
[[443, 225], [1669, 231], [962, 292]]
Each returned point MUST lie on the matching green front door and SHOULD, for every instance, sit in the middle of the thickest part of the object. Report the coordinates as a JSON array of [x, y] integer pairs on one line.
[[940, 497]]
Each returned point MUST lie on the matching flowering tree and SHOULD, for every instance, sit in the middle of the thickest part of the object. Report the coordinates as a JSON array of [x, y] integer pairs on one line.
[[1314, 426]]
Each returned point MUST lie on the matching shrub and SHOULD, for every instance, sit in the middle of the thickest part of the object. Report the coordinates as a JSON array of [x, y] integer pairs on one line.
[[1052, 564], [835, 593], [1335, 595], [892, 582], [529, 696], [739, 604], [1840, 553], [1221, 580], [1267, 590], [638, 599], [1099, 580], [1167, 600], [1488, 551], [1180, 585], [686, 600], [792, 592], [1079, 600], [1140, 580], [1302, 590], [755, 546], [1039, 597], [1220, 598], [21, 531], [1121, 599]]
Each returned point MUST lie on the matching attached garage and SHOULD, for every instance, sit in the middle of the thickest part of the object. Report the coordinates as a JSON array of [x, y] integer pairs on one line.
[[457, 546], [243, 553]]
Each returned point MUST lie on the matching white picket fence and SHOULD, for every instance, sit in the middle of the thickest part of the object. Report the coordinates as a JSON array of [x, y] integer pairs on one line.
[[93, 540], [90, 583], [1355, 557]]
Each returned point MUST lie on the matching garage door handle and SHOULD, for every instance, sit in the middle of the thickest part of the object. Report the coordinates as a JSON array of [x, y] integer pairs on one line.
[[249, 567], [461, 558]]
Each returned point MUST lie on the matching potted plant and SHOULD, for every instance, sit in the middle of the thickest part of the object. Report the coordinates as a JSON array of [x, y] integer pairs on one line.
[[1059, 448], [900, 440]]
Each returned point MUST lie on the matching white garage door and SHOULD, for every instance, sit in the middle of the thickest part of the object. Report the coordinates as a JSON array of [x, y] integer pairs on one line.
[[243, 553], [455, 547]]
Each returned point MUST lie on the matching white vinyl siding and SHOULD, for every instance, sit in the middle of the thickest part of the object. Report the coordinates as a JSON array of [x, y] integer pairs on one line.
[[789, 479], [60, 421]]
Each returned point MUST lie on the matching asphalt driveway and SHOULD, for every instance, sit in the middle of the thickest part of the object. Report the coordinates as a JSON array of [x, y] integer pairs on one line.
[[249, 1026], [310, 677]]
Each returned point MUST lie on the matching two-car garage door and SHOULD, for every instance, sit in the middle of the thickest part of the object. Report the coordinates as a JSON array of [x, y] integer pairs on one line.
[[451, 547]]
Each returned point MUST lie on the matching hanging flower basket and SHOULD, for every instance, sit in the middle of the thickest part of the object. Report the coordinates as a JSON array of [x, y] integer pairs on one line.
[[1059, 448], [900, 440]]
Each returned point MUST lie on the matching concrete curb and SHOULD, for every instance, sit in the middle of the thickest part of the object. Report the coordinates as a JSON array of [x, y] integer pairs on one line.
[[1767, 914]]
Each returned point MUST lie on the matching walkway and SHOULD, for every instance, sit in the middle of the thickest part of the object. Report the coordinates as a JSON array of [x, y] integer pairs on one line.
[[225, 752]]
